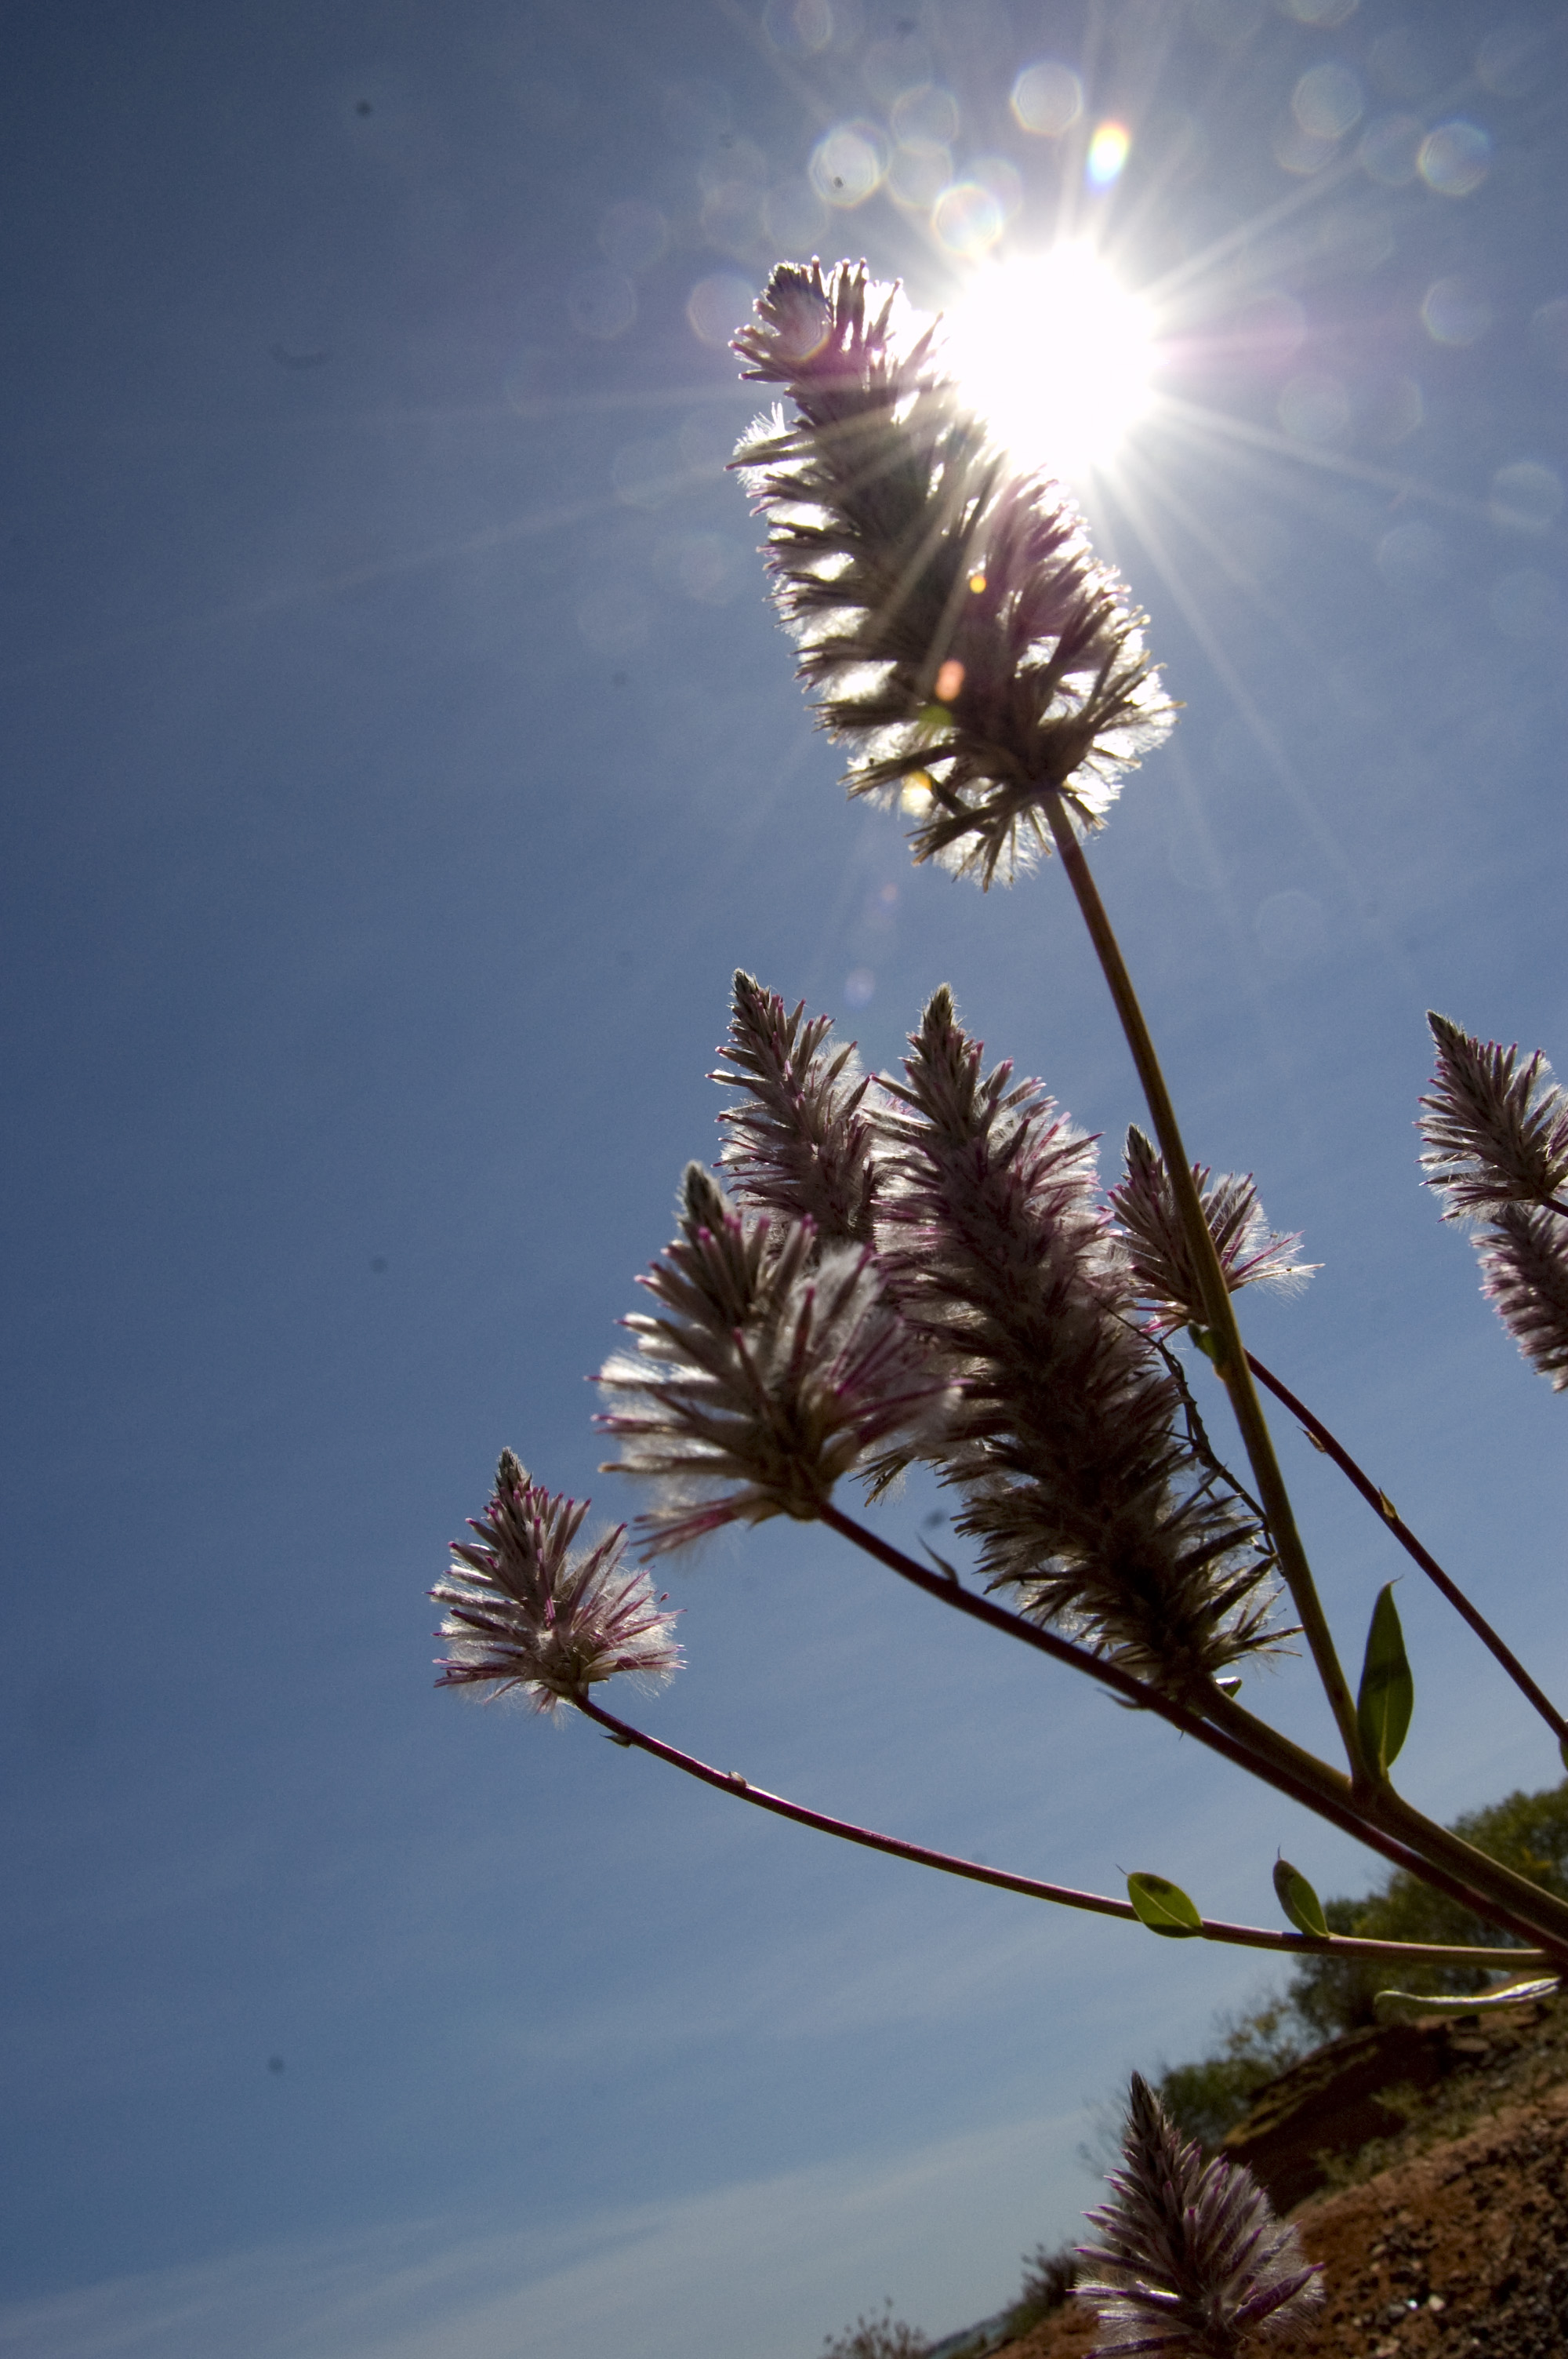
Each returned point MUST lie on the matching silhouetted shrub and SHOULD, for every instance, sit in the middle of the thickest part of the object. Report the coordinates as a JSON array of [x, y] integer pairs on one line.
[[1048, 2278], [886, 2337]]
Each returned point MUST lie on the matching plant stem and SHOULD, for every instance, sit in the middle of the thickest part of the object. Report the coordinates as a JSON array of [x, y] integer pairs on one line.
[[1479, 1882], [1447, 1861], [729, 1781], [1476, 1883], [1388, 1514], [1220, 1315], [1249, 1937]]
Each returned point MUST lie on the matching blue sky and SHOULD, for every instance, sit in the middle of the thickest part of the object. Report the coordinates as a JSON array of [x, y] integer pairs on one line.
[[400, 757]]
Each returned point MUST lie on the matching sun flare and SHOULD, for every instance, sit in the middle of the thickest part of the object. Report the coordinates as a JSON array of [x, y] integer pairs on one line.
[[1057, 354]]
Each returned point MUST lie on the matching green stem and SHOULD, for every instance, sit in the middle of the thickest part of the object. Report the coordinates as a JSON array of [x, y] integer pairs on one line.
[[1220, 1316], [1481, 1884], [1384, 1507], [1098, 1904]]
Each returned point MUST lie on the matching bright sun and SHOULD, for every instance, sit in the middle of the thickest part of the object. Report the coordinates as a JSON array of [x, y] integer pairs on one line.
[[1055, 354]]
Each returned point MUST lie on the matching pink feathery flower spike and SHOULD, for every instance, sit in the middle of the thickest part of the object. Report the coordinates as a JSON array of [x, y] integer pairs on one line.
[[1193, 2261], [956, 628], [798, 1141], [1524, 1277], [769, 1371], [1496, 1136], [527, 1615], [1143, 1205], [1067, 1440], [1495, 1130]]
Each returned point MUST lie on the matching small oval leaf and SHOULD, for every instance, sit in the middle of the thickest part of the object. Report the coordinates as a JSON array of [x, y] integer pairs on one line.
[[1164, 1906], [1387, 1695], [1299, 1901]]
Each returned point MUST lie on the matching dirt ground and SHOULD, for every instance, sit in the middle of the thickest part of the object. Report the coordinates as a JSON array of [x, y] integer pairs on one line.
[[1450, 2239]]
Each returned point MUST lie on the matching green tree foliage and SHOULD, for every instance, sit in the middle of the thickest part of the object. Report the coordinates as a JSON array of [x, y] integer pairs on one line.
[[1327, 1996]]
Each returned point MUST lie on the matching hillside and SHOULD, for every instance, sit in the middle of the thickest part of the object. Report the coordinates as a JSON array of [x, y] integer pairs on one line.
[[1448, 2234]]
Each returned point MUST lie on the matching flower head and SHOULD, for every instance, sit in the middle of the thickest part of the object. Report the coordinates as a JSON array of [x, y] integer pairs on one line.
[[525, 1614], [1194, 2260], [798, 1142], [955, 625], [1067, 1441], [768, 1372], [1143, 1205], [1496, 1132], [1524, 1272]]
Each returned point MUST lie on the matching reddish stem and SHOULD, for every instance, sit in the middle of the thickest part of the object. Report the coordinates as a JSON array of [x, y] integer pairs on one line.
[[1388, 1514], [1251, 1745], [1250, 1937]]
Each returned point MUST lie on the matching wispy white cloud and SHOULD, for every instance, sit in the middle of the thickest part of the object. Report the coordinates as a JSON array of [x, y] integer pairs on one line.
[[767, 2267]]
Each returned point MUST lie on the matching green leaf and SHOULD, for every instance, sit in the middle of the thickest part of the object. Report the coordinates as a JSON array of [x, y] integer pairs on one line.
[[1164, 1906], [1390, 2006], [1299, 1901], [1387, 1697]]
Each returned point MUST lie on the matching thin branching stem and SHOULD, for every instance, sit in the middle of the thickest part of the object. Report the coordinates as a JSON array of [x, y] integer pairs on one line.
[[1220, 1315], [1388, 1514], [1197, 1432], [1098, 1904], [1476, 1883], [1446, 1861], [1441, 1859]]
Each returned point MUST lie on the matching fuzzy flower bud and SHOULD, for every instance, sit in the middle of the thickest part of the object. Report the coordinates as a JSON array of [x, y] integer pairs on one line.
[[1194, 2260], [768, 1372], [524, 1614], [798, 1143], [1080, 1482], [1496, 1132], [956, 628], [1143, 1206]]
